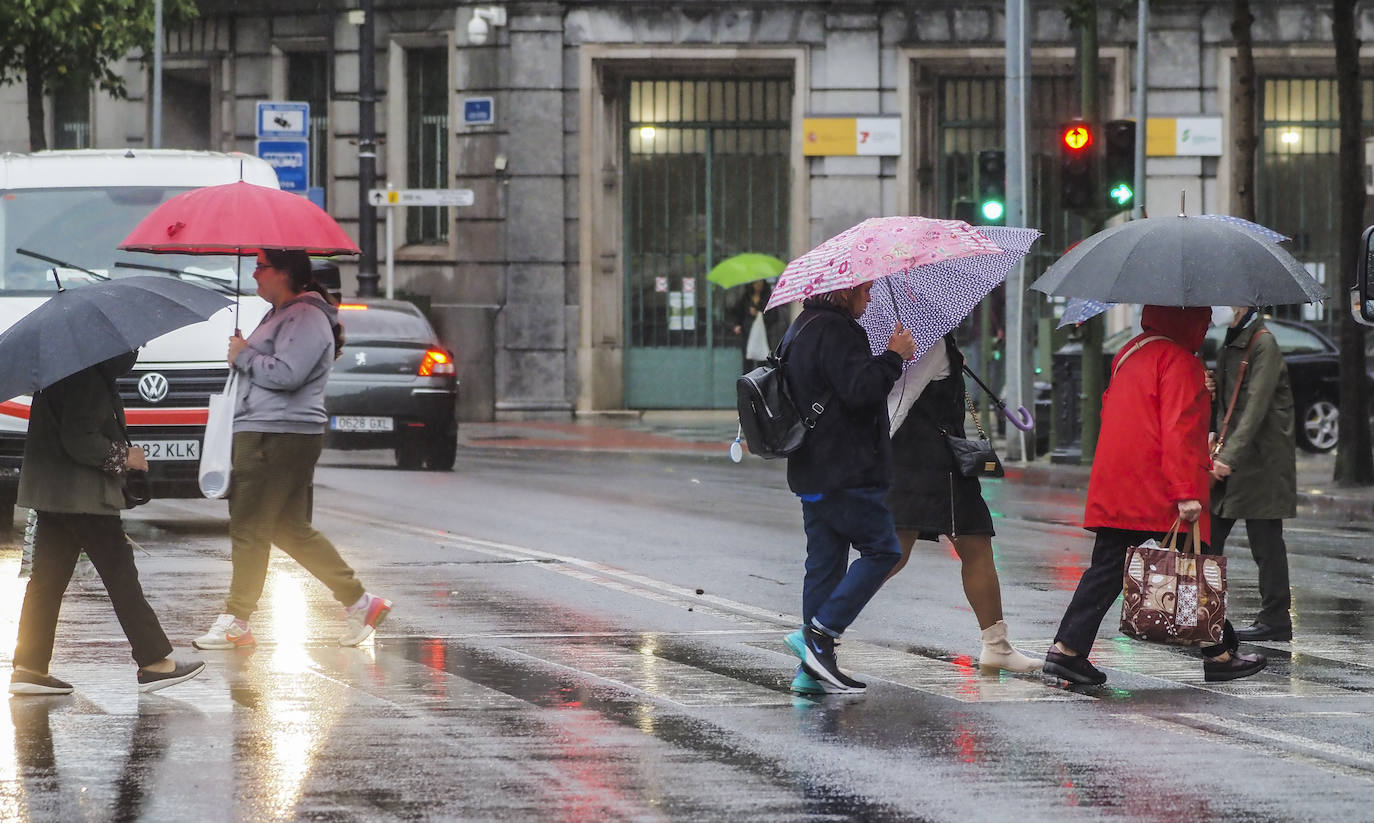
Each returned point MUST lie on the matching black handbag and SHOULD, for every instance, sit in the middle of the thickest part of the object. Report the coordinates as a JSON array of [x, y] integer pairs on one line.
[[973, 457], [136, 488]]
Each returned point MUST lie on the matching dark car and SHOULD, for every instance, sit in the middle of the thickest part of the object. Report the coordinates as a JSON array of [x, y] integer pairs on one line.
[[1313, 372], [394, 386]]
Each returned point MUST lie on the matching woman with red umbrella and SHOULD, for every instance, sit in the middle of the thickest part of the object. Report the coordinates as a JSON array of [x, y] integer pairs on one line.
[[279, 424]]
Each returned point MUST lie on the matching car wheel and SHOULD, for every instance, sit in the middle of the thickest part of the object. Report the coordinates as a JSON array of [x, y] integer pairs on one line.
[[442, 452], [1318, 426], [410, 453]]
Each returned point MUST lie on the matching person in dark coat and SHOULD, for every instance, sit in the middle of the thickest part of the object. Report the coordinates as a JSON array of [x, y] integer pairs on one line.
[[1255, 467], [74, 456], [1151, 469], [841, 473], [930, 498], [743, 315]]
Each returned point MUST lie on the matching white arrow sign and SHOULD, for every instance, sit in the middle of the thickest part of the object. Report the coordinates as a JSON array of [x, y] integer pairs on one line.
[[420, 197]]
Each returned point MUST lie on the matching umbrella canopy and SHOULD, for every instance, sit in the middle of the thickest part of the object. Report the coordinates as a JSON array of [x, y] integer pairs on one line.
[[934, 298], [82, 326], [745, 268], [238, 218], [1079, 310], [1180, 261], [876, 248]]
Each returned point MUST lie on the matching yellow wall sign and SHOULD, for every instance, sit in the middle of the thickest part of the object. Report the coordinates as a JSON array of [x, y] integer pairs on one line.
[[851, 136], [1183, 137]]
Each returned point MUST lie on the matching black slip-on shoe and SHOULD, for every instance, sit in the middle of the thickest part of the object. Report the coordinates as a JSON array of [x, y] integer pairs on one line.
[[1074, 668], [1233, 668], [1263, 631], [26, 682], [151, 681]]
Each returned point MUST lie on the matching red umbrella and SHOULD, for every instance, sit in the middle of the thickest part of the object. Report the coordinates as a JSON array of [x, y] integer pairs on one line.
[[238, 218]]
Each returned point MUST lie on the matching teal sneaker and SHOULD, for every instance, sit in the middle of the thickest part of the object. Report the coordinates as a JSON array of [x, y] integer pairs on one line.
[[804, 683], [796, 644]]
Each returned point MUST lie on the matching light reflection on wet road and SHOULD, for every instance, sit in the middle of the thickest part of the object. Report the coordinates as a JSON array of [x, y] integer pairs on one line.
[[551, 658]]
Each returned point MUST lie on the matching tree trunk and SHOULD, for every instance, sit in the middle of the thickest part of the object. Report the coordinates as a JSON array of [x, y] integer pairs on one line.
[[1354, 462], [33, 83], [1244, 138]]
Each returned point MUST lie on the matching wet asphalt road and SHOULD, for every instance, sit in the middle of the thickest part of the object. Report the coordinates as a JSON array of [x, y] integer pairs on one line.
[[597, 637]]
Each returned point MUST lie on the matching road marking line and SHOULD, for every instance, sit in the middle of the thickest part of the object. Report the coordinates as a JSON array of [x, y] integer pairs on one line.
[[1215, 729]]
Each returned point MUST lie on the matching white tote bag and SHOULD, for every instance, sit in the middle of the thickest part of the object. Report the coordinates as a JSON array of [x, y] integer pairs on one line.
[[757, 347], [216, 450]]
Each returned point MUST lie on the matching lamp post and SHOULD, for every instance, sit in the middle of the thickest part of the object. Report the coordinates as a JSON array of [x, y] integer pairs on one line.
[[367, 154]]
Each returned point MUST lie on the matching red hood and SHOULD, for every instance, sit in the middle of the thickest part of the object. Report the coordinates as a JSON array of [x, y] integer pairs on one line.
[[1185, 326]]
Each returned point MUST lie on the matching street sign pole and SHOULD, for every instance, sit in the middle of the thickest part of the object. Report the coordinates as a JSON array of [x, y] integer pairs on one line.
[[390, 253], [392, 199]]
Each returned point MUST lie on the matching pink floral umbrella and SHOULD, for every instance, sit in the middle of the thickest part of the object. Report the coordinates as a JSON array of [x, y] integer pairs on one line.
[[877, 247]]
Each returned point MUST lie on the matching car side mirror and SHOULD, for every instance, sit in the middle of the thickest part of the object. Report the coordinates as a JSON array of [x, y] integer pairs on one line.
[[1362, 296]]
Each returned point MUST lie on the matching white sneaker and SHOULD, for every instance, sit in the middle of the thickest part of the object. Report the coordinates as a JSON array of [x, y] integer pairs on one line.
[[228, 633], [364, 619]]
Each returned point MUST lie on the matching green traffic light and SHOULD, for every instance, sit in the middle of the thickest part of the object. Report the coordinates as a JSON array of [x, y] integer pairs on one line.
[[1121, 193], [993, 210]]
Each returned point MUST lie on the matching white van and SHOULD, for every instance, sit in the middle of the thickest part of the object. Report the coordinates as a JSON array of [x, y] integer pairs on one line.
[[75, 207]]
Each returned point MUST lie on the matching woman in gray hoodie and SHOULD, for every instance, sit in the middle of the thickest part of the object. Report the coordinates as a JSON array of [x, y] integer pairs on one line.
[[279, 424]]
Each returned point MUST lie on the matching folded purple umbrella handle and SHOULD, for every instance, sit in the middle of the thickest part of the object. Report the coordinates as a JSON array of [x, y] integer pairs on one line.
[[1022, 419]]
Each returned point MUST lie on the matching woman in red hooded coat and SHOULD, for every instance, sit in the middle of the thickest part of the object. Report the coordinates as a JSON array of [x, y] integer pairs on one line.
[[1151, 467]]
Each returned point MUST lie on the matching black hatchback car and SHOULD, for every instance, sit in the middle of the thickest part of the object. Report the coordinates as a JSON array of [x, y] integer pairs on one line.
[[395, 386]]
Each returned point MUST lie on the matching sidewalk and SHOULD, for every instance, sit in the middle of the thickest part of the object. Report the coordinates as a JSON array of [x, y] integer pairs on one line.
[[708, 433]]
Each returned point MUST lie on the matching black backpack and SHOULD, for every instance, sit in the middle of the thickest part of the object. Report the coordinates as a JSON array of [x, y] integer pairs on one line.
[[770, 417]]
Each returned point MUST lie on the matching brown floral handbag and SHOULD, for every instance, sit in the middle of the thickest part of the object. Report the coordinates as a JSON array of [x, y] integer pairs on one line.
[[1174, 594]]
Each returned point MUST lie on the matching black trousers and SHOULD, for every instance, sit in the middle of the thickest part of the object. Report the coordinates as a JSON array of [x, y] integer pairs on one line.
[[1271, 556], [60, 540], [1101, 584]]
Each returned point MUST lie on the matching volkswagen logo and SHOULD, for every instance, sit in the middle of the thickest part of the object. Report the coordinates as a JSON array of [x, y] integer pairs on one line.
[[152, 387]]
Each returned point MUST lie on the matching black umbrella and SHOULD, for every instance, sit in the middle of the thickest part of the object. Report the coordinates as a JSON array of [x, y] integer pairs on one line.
[[89, 324], [1180, 261]]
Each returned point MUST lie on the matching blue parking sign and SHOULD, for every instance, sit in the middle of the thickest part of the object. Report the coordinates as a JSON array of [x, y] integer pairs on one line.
[[479, 111], [291, 159]]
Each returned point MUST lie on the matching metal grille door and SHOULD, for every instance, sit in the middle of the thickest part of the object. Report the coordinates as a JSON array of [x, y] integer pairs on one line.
[[1298, 168], [706, 177]]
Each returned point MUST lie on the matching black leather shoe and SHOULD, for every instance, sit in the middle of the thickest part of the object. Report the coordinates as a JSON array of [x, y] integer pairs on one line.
[[1264, 631], [1233, 668], [1074, 668]]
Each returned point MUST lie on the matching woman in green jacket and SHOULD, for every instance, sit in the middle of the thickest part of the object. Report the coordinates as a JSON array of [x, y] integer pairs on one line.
[[1254, 464], [74, 456]]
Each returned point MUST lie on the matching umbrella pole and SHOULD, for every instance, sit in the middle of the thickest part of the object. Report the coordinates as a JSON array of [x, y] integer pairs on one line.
[[238, 278]]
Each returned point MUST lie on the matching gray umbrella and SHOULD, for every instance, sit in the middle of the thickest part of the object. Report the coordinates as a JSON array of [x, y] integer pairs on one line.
[[1180, 261], [82, 326]]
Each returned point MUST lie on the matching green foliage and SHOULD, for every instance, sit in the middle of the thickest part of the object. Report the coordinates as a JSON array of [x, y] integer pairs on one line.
[[79, 38]]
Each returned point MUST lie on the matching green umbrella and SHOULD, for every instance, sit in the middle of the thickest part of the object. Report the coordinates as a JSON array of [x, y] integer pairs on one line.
[[745, 268]]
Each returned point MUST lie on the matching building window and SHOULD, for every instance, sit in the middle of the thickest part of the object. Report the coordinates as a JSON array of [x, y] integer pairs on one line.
[[427, 102], [308, 81], [1297, 171], [71, 116]]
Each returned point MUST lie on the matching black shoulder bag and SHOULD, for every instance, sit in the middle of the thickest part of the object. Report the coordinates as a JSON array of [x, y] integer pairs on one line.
[[973, 457]]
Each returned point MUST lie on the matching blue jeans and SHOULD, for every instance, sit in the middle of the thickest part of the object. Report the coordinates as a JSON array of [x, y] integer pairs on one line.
[[834, 591]]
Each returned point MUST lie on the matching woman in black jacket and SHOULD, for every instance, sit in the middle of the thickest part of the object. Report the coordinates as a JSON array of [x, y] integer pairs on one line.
[[74, 456], [929, 497]]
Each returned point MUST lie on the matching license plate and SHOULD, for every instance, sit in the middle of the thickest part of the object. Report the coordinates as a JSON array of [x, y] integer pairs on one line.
[[356, 423], [170, 449]]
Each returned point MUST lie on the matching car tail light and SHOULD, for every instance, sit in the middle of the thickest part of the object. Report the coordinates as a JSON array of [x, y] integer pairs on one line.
[[437, 363], [353, 306]]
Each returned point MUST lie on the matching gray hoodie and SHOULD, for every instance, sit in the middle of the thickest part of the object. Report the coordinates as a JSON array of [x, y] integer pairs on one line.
[[283, 370]]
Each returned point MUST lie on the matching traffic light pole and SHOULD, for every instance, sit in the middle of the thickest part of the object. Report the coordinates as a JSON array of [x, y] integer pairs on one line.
[[1019, 387], [1142, 63], [1091, 376]]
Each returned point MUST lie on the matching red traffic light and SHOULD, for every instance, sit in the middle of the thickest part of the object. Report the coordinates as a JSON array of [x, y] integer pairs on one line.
[[1076, 137]]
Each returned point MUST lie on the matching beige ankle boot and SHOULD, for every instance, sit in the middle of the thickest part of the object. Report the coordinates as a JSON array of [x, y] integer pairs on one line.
[[998, 652]]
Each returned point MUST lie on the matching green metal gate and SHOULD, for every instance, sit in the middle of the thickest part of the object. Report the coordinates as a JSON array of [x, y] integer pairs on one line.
[[1297, 176], [707, 176]]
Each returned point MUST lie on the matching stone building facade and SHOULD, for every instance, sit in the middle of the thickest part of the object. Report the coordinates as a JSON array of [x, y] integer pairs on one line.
[[635, 143]]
